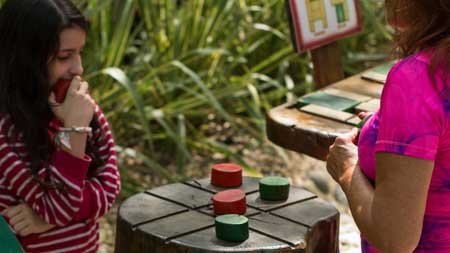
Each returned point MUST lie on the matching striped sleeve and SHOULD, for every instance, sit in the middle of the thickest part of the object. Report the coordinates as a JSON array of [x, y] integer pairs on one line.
[[101, 190], [54, 205]]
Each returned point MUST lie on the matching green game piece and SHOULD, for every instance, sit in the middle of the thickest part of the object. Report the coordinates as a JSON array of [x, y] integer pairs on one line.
[[8, 240], [330, 101], [360, 124], [274, 188], [231, 227], [355, 121]]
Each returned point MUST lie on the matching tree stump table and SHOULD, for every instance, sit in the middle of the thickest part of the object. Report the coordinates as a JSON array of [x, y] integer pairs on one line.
[[311, 129], [179, 218]]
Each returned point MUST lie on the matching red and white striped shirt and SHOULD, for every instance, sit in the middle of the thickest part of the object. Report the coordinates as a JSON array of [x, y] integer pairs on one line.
[[76, 209]]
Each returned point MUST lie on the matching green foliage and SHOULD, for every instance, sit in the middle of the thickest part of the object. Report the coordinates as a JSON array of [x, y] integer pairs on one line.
[[162, 69], [373, 44]]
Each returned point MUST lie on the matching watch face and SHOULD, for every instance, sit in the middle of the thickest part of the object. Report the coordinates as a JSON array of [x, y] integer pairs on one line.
[[64, 139]]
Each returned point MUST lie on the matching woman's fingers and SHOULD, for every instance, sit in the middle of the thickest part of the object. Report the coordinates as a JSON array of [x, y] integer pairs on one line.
[[362, 115], [347, 137]]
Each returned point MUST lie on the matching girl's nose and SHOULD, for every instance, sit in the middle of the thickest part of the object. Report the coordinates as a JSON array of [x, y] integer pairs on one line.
[[77, 67]]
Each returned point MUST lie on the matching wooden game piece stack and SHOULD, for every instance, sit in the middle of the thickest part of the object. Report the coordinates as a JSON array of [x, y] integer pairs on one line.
[[229, 205], [231, 227], [229, 202], [226, 175], [274, 188]]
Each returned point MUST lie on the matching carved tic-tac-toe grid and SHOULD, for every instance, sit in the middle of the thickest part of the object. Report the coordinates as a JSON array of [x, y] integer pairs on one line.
[[179, 218]]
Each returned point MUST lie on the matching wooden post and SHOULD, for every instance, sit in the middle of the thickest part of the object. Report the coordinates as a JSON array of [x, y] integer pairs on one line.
[[327, 65]]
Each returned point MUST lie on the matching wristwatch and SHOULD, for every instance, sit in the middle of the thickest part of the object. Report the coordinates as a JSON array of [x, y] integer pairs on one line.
[[62, 137]]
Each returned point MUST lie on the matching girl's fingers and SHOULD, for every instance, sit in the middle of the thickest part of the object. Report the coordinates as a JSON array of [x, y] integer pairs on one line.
[[26, 231], [83, 88], [21, 226], [52, 98], [17, 218], [74, 85], [13, 211]]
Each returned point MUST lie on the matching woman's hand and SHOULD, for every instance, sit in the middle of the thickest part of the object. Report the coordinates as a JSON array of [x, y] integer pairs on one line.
[[25, 221], [365, 116], [343, 157], [78, 106]]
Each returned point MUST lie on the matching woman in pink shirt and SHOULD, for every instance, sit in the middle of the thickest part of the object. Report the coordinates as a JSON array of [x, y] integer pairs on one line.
[[58, 166], [397, 180]]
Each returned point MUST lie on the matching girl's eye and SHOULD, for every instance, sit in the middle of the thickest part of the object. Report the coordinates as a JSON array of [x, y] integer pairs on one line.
[[63, 58]]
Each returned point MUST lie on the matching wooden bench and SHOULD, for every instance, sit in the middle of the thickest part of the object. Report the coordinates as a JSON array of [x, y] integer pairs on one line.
[[311, 129]]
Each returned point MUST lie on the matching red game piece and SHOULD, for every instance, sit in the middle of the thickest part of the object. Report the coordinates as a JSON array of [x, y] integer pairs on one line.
[[226, 175], [229, 202]]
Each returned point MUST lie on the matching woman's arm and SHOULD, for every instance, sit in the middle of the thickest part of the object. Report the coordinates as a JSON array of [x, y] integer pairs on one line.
[[409, 129], [391, 215]]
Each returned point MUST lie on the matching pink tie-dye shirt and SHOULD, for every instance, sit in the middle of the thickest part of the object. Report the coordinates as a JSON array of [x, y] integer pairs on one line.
[[414, 120]]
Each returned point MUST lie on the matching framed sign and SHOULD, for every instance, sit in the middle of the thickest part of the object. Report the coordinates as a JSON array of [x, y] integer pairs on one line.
[[318, 22]]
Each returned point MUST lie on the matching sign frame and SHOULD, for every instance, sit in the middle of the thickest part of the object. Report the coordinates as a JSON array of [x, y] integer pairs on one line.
[[296, 26]]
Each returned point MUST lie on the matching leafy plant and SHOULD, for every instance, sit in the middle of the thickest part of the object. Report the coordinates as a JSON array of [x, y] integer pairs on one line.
[[165, 71]]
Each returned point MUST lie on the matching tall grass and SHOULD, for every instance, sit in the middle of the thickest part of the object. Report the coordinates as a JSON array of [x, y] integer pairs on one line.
[[162, 69], [185, 61]]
